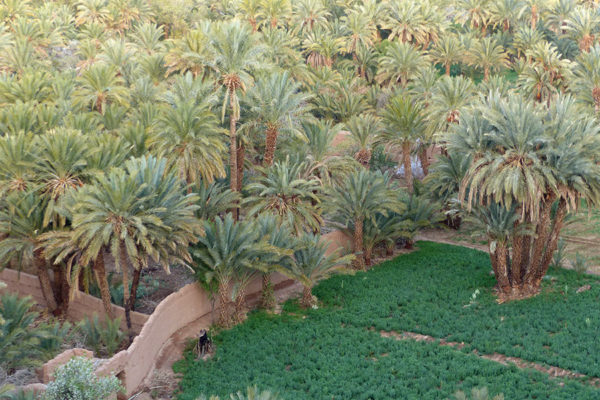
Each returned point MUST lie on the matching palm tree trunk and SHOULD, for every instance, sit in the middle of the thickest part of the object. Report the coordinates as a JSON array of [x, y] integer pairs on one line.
[[551, 245], [486, 73], [368, 255], [241, 154], [137, 273], [100, 273], [517, 259], [223, 304], [233, 166], [447, 65], [424, 160], [270, 145], [44, 278], [240, 302], [267, 298], [407, 165], [126, 298], [307, 298], [541, 240], [358, 244], [502, 267]]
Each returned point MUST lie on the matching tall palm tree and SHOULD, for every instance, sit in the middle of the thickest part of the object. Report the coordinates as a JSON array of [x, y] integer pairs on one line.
[[322, 46], [505, 13], [277, 105], [361, 31], [309, 13], [273, 12], [404, 20], [404, 122], [280, 190], [139, 214], [190, 53], [192, 141], [313, 262], [488, 55], [361, 196], [586, 79], [400, 63], [450, 96], [364, 130], [237, 57], [475, 13]]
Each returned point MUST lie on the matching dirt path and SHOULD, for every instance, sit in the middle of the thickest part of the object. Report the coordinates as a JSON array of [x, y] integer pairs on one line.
[[553, 372]]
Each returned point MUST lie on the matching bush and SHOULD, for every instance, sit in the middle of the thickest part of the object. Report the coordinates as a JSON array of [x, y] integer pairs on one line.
[[76, 380], [21, 343], [477, 394], [103, 338], [252, 393]]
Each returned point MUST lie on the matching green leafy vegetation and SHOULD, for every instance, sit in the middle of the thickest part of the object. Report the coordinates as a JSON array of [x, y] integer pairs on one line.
[[337, 350]]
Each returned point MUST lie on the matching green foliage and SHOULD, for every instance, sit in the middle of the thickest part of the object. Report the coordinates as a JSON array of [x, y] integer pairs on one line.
[[76, 380], [18, 395], [580, 264], [105, 338], [559, 256], [477, 394], [333, 352], [251, 393], [22, 344]]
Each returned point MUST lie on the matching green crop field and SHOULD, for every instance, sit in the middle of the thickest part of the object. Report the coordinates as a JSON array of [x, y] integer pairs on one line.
[[334, 352]]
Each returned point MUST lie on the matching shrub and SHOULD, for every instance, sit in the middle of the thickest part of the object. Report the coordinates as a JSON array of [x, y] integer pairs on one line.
[[252, 393], [477, 394], [76, 380], [103, 338], [580, 264], [558, 258], [18, 395], [22, 344]]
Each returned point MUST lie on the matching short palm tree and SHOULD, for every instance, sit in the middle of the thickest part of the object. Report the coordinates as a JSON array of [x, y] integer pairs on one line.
[[273, 12], [21, 226], [100, 85], [190, 53], [309, 13], [279, 189], [18, 154], [361, 31], [400, 63], [488, 55], [277, 105], [447, 51], [405, 21], [314, 262], [404, 122], [450, 96], [364, 130], [226, 250], [361, 196], [582, 26]]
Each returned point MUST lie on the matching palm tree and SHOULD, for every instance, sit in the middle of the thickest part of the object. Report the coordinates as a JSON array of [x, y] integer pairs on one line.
[[313, 262], [280, 190], [404, 122], [474, 12], [18, 154], [582, 26], [586, 80], [237, 56], [193, 142], [322, 47], [277, 105], [361, 196], [364, 130], [400, 63], [447, 51], [21, 226], [488, 55], [226, 250], [504, 13], [404, 20], [272, 12], [190, 53], [100, 85], [526, 38], [309, 13], [139, 213], [548, 154], [361, 31], [450, 96], [250, 9], [214, 200]]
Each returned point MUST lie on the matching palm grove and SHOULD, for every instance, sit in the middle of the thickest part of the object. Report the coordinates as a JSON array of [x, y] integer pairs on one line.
[[200, 133]]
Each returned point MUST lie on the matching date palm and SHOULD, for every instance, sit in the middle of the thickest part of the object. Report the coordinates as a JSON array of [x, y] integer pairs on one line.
[[276, 105], [314, 262], [586, 77], [505, 13], [190, 53], [322, 47], [100, 85], [404, 20], [139, 214], [403, 123], [226, 250], [361, 32], [280, 190], [400, 63], [309, 13], [447, 51], [18, 154], [21, 227], [364, 130], [582, 26], [250, 10], [450, 96], [192, 141], [475, 13], [361, 196], [488, 55], [273, 12], [525, 39], [237, 57]]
